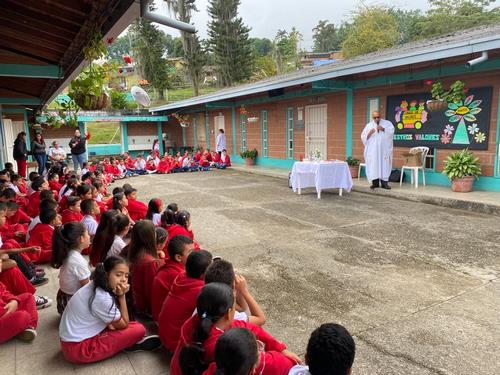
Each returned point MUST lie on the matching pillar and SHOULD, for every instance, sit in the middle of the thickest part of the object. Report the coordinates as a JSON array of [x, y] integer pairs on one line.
[[207, 130], [124, 133], [160, 137], [348, 125], [233, 124]]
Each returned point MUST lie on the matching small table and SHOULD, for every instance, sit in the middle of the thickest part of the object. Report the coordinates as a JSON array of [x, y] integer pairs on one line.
[[321, 175]]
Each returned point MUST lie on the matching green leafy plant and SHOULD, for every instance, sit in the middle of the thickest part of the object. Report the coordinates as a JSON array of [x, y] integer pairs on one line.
[[461, 164], [352, 161], [67, 115], [118, 100], [249, 154], [455, 94]]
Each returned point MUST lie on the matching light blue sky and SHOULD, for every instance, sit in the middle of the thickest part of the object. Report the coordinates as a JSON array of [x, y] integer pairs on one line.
[[266, 17]]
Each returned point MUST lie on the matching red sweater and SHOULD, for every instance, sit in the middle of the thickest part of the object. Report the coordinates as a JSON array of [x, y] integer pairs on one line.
[[41, 235], [273, 346], [271, 363], [162, 284], [54, 185], [136, 209], [177, 308], [69, 215], [143, 273], [5, 298], [33, 208], [19, 217]]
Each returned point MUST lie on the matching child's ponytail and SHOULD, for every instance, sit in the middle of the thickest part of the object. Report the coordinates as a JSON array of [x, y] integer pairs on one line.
[[182, 218], [65, 238], [213, 303]]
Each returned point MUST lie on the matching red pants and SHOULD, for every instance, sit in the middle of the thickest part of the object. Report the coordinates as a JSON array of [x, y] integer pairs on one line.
[[16, 282], [104, 345], [24, 317], [21, 167]]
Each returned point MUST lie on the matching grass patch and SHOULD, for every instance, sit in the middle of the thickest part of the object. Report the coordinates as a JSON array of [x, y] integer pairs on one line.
[[104, 132]]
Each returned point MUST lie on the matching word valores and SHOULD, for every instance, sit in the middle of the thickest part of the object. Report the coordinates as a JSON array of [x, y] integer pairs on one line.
[[417, 137]]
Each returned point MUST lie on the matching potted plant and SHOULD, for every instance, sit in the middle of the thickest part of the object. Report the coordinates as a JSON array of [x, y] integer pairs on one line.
[[249, 156], [353, 164], [441, 97], [462, 167]]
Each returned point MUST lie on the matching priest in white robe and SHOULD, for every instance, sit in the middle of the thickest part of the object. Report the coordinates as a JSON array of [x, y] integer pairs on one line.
[[377, 137]]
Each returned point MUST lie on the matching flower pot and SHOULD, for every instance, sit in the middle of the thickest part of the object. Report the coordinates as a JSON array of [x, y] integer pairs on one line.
[[437, 105], [354, 170], [462, 185], [92, 102], [249, 161]]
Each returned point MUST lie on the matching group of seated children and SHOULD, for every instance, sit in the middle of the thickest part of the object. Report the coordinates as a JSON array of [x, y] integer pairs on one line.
[[145, 264]]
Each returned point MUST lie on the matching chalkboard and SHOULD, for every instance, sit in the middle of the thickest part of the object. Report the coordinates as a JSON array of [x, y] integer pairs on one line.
[[462, 125]]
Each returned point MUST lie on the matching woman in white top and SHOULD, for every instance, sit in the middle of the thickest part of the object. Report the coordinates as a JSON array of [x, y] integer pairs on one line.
[[68, 241], [121, 227], [96, 325]]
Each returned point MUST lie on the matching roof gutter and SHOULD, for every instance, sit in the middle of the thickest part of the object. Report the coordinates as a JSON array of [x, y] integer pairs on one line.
[[478, 60], [163, 20]]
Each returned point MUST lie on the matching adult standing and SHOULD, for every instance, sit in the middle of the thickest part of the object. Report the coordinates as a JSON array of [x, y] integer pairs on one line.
[[21, 153], [38, 151], [77, 144], [156, 148], [221, 142], [377, 136]]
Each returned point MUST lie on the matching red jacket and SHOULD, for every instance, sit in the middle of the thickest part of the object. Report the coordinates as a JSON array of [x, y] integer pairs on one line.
[[177, 308], [178, 230], [54, 185], [143, 273], [19, 217], [273, 347], [33, 208], [163, 283], [69, 215], [227, 162], [216, 158], [5, 298], [271, 363], [41, 235], [136, 209]]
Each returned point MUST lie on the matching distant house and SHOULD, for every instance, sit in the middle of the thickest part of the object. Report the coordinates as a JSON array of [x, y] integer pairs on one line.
[[320, 58]]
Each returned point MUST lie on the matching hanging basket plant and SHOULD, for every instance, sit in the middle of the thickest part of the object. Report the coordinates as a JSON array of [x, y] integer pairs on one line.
[[441, 97], [182, 119], [67, 115]]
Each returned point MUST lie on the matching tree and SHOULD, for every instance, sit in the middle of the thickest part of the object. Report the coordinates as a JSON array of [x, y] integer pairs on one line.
[[229, 42], [264, 67], [408, 23], [286, 50], [120, 47], [262, 46], [325, 37], [174, 46], [446, 16], [149, 45], [373, 28], [193, 52]]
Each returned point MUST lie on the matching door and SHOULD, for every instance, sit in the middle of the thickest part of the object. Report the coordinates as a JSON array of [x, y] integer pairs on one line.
[[12, 129], [315, 130]]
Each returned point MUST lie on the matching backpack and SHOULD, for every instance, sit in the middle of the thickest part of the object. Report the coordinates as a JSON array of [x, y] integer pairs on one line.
[[395, 175]]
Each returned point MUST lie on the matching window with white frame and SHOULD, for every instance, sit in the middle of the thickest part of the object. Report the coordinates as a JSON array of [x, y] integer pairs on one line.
[[243, 132], [264, 135], [289, 133]]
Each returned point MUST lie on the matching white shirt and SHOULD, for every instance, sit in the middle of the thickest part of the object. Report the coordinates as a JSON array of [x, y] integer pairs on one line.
[[90, 223], [84, 171], [32, 224], [378, 150], [74, 269], [79, 323], [54, 152], [117, 246], [221, 142], [67, 194], [156, 219], [140, 164], [13, 187], [299, 370]]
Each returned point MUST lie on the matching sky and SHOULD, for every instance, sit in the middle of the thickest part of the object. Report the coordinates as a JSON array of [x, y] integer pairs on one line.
[[266, 17]]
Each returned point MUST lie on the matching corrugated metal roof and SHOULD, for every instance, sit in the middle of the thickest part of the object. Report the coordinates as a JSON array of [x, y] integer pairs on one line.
[[445, 46]]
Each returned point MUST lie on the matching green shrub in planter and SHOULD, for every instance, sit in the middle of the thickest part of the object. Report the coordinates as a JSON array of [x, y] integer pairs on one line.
[[352, 161], [249, 154], [461, 164]]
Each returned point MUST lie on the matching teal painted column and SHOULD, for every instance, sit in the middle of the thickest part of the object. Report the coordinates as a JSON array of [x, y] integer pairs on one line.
[[497, 154], [124, 131], [183, 137], [160, 137], [195, 133], [348, 124], [207, 130], [27, 131], [233, 125]]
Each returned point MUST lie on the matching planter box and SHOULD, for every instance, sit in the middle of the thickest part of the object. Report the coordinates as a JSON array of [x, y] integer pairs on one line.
[[462, 185], [249, 161], [354, 170], [437, 105]]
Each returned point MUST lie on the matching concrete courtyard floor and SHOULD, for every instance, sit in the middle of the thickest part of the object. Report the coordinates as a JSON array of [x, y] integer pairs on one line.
[[417, 285]]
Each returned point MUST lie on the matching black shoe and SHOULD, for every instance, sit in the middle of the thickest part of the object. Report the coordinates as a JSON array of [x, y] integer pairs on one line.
[[373, 187], [385, 185], [39, 281], [148, 343]]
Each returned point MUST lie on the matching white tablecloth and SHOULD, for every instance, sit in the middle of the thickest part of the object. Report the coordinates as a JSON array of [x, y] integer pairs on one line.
[[321, 175]]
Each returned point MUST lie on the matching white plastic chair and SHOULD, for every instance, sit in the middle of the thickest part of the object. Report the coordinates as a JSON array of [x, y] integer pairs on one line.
[[414, 170], [362, 165]]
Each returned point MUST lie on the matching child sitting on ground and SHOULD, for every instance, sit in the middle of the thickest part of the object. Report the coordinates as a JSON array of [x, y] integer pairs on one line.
[[103, 238], [41, 236], [330, 350], [68, 242], [121, 227], [178, 251], [90, 209], [38, 185], [95, 324], [181, 300], [137, 209], [155, 207], [161, 240], [73, 212]]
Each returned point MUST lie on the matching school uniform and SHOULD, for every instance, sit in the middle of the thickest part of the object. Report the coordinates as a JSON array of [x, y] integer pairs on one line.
[[156, 219], [90, 223], [31, 225], [25, 316], [177, 308], [272, 361], [83, 332], [8, 232], [55, 185], [143, 273], [163, 283], [33, 208], [299, 370], [41, 235], [178, 230], [19, 217], [70, 215], [74, 269], [225, 160], [137, 209], [116, 247], [16, 282]]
